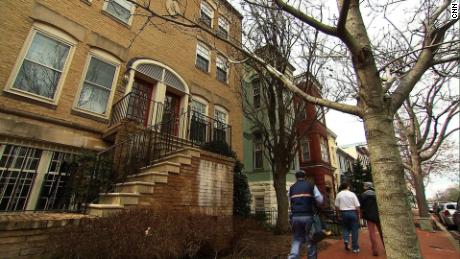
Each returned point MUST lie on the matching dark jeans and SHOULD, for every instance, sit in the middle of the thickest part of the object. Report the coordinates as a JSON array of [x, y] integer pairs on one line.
[[301, 227], [350, 224]]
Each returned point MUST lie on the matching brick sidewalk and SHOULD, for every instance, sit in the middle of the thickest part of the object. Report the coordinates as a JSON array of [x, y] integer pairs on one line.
[[434, 245]]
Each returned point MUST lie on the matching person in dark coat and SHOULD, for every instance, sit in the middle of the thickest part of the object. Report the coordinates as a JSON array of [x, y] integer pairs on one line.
[[370, 213], [303, 196]]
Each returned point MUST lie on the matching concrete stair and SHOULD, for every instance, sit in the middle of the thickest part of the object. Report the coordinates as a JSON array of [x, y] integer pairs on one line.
[[119, 198], [135, 187], [150, 176], [165, 166], [103, 210], [128, 194]]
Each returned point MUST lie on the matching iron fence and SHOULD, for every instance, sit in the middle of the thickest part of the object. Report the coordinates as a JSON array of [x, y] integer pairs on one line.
[[136, 107]]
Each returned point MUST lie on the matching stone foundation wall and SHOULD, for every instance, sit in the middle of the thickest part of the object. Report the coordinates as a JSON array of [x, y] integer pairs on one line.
[[26, 235]]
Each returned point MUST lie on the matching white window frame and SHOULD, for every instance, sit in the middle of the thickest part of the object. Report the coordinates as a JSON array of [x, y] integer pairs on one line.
[[305, 140], [200, 53], [107, 58], [225, 25], [201, 101], [324, 149], [207, 9], [124, 4], [54, 34], [222, 63], [254, 143], [222, 110]]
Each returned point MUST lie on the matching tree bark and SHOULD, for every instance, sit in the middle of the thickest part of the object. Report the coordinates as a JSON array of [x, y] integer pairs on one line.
[[388, 175], [423, 209], [279, 182]]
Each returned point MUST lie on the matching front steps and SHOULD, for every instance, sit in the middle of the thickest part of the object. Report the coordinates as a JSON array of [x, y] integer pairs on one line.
[[129, 194]]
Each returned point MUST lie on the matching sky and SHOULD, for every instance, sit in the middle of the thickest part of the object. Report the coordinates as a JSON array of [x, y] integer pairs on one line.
[[349, 129]]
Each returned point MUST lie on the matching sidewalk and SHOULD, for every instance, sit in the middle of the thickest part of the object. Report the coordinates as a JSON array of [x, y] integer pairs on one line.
[[433, 245]]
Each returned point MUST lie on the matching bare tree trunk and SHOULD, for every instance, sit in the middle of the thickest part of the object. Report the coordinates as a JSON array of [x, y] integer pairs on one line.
[[279, 182], [423, 209], [417, 175], [388, 175]]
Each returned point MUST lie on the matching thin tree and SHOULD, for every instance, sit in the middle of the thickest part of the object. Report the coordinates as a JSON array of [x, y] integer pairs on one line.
[[279, 117], [423, 126], [382, 84]]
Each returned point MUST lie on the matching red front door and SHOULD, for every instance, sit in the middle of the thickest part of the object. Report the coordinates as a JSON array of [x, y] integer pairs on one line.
[[141, 100], [171, 114]]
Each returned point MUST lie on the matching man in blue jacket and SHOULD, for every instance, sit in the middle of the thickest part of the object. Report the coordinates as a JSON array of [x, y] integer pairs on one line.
[[303, 196]]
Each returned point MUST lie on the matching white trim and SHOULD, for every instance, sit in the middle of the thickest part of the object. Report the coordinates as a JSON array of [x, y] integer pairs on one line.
[[54, 34], [224, 65], [205, 47], [222, 110], [123, 3], [207, 9], [107, 58], [132, 73], [202, 101]]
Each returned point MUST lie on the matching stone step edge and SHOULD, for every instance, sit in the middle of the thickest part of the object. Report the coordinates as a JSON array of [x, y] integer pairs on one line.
[[184, 149], [148, 173], [160, 164], [105, 206], [171, 157], [135, 183], [129, 194]]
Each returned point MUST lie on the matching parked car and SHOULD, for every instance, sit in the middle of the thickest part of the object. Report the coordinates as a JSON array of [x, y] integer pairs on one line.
[[446, 213], [456, 216], [431, 206]]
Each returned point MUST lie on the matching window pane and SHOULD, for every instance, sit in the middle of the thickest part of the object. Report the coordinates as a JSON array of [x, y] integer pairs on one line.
[[48, 52], [202, 63], [202, 51], [198, 107], [100, 73], [121, 12], [37, 79], [93, 98], [221, 75]]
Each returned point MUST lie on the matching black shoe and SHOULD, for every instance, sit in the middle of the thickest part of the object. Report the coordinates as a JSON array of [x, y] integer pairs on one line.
[[346, 246]]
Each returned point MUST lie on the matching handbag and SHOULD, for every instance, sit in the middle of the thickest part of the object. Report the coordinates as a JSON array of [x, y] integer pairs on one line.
[[318, 230]]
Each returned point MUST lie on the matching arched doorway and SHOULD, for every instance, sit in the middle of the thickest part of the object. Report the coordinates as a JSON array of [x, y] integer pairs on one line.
[[158, 96]]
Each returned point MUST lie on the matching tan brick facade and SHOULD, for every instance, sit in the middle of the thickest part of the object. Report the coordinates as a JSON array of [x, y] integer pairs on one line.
[[57, 125], [93, 28]]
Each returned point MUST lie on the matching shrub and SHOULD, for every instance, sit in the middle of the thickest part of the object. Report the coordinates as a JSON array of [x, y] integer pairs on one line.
[[241, 192], [142, 233]]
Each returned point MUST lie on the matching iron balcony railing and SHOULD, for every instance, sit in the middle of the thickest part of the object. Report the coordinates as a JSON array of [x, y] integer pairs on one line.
[[204, 129], [137, 108], [143, 147]]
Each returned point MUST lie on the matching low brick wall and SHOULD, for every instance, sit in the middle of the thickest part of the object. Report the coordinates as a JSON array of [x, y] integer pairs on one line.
[[205, 186], [25, 235]]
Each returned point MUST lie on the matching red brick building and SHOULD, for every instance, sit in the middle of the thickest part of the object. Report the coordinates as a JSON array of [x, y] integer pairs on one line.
[[314, 155]]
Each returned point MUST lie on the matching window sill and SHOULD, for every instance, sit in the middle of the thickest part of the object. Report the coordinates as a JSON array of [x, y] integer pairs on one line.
[[127, 25], [91, 116], [206, 72], [30, 98]]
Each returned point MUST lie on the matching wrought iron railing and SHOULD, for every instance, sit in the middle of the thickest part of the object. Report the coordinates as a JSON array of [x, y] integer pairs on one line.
[[204, 129], [136, 108]]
